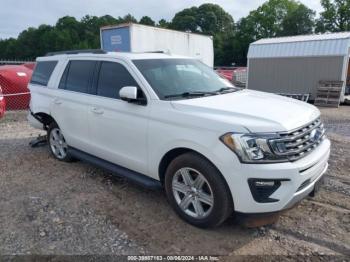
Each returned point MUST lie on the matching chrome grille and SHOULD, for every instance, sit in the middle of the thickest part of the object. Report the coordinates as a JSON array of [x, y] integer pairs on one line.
[[298, 143]]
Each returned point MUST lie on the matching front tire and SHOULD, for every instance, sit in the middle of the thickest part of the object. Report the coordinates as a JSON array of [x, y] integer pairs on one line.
[[197, 191], [57, 143]]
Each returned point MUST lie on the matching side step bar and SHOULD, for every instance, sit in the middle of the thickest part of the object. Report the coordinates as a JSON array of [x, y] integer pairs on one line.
[[117, 170]]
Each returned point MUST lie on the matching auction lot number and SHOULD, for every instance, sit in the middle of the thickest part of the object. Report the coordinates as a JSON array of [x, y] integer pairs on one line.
[[173, 258]]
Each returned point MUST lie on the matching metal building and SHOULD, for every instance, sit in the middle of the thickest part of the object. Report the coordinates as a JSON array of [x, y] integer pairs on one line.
[[296, 64]]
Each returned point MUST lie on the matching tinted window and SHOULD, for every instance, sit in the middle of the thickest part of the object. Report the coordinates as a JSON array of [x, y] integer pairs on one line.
[[112, 78], [62, 84], [42, 72], [79, 76]]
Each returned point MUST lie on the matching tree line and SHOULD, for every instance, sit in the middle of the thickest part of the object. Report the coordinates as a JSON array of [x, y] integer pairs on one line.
[[274, 18]]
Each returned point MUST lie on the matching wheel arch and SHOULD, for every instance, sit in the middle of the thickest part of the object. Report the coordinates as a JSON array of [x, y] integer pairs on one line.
[[168, 157], [175, 152], [45, 118]]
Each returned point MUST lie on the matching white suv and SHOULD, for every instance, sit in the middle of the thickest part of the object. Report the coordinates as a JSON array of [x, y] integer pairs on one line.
[[170, 121]]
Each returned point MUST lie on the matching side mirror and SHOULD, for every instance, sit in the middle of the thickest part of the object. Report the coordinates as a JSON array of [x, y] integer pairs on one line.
[[129, 94]]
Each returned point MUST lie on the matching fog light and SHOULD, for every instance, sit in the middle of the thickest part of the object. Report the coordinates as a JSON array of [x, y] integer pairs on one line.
[[264, 183], [262, 189]]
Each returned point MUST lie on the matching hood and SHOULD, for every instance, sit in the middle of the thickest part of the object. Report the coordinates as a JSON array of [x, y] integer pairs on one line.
[[253, 110]]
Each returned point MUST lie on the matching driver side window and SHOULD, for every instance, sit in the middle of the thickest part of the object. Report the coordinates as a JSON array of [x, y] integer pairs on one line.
[[112, 77]]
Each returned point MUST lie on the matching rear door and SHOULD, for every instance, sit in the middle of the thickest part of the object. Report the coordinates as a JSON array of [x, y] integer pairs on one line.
[[41, 85], [70, 104], [118, 129]]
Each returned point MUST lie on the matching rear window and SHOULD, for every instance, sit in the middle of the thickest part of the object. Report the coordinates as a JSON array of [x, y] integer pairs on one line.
[[42, 72]]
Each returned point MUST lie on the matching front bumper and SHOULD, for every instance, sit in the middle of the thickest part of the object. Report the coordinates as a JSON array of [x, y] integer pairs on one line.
[[297, 181], [301, 194]]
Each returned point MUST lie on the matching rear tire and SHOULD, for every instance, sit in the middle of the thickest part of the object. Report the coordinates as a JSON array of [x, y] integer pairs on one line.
[[57, 143], [197, 191]]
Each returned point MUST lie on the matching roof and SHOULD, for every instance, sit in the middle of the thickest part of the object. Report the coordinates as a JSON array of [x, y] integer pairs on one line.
[[335, 44], [127, 55], [108, 27], [144, 55]]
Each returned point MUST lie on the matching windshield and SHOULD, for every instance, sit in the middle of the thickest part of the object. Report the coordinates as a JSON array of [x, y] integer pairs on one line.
[[182, 78]]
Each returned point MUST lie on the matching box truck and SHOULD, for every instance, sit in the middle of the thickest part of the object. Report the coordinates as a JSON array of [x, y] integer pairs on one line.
[[141, 38]]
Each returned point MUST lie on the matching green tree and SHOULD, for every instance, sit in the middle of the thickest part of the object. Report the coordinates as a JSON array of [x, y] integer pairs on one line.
[[146, 20], [163, 23], [335, 16], [8, 48], [128, 19], [299, 20], [185, 20], [209, 19], [68, 33], [231, 41], [278, 18], [272, 19], [91, 28]]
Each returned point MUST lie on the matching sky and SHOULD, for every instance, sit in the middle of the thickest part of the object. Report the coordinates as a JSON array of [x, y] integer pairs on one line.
[[18, 15]]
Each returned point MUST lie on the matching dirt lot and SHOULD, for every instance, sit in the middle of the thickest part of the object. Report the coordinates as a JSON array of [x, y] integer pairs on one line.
[[49, 207]]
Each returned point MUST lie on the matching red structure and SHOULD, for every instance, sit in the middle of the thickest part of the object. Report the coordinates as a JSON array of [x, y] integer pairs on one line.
[[2, 104], [13, 82], [229, 72], [226, 72]]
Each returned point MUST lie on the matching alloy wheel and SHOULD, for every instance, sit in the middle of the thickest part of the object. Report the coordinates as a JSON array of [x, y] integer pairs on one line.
[[58, 143], [192, 193]]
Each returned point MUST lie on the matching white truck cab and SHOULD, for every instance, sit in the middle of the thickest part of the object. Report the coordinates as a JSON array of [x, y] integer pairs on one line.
[[170, 121]]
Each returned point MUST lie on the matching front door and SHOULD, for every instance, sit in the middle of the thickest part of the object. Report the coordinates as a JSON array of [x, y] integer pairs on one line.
[[118, 129]]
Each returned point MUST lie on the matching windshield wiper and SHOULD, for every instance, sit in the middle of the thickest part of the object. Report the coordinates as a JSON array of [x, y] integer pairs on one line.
[[204, 93], [227, 90], [191, 94]]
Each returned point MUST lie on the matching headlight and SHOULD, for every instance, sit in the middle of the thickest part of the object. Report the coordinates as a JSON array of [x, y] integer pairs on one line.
[[252, 148]]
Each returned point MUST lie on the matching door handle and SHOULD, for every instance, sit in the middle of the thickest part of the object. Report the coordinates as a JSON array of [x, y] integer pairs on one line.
[[97, 111], [57, 101]]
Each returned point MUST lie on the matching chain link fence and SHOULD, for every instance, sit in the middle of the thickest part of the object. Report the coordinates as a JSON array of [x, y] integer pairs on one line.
[[239, 77], [14, 93], [18, 101], [13, 103]]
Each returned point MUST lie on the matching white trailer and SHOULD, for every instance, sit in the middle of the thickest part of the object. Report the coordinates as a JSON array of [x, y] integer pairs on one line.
[[141, 38]]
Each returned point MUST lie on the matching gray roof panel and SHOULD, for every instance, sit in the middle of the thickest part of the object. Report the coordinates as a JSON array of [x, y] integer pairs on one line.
[[336, 44]]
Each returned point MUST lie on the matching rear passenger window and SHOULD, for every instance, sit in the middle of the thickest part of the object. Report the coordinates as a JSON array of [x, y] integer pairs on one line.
[[79, 76], [112, 78], [42, 72]]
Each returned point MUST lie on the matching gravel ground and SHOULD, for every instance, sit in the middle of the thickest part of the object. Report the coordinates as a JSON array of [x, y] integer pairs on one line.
[[52, 208]]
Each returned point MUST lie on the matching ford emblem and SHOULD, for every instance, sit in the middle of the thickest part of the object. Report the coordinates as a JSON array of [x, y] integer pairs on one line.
[[315, 135]]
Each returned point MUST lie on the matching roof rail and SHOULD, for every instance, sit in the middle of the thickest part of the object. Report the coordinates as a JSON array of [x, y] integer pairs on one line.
[[167, 52], [73, 52], [154, 52]]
